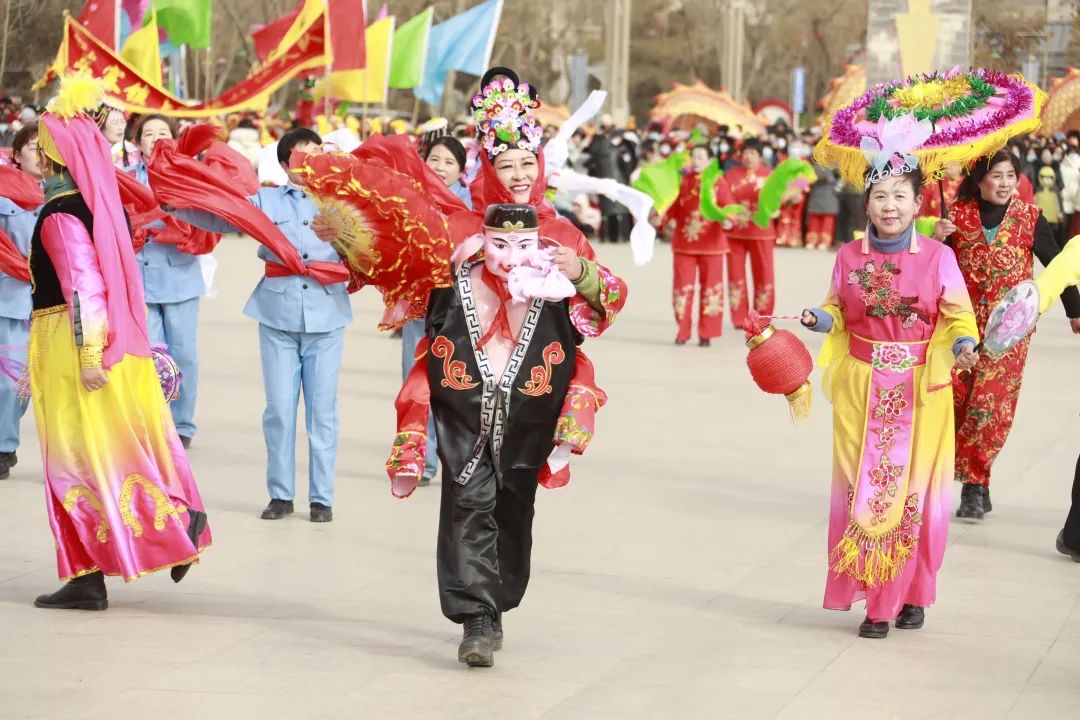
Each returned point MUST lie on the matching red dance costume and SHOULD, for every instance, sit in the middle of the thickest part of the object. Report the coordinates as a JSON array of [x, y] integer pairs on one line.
[[985, 398], [698, 246], [789, 224], [749, 239], [820, 229]]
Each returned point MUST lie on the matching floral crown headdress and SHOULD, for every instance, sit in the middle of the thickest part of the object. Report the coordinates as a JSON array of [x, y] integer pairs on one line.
[[891, 154], [504, 113]]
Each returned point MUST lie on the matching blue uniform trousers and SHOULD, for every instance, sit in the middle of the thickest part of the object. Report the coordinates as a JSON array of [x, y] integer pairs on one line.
[[292, 361], [14, 333], [177, 326]]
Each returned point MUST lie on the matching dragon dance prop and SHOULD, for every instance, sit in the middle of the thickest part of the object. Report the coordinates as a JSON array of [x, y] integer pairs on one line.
[[971, 114]]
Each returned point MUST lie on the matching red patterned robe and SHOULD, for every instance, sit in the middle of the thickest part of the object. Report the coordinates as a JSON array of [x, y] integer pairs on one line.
[[985, 398], [749, 239], [698, 247]]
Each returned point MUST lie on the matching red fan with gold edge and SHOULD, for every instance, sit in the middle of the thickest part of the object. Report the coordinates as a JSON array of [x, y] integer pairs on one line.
[[388, 231]]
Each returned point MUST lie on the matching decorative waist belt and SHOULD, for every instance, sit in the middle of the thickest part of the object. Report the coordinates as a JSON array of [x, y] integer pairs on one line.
[[48, 311], [890, 355]]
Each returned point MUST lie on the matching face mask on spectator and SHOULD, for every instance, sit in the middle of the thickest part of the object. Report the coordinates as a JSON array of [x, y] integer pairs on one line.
[[767, 153]]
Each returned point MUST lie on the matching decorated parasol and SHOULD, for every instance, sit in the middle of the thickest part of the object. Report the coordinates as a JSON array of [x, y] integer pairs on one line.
[[971, 113]]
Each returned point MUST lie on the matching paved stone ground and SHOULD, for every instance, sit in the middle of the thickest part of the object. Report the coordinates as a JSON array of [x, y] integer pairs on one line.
[[678, 576]]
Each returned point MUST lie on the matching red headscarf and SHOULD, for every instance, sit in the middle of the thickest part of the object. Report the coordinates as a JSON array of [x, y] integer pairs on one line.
[[488, 189]]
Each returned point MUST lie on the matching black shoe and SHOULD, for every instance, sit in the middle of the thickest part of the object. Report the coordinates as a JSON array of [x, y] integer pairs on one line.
[[987, 506], [425, 481], [971, 503], [477, 647], [679, 342], [321, 513], [497, 632], [7, 461], [196, 525], [277, 509], [873, 630], [1065, 549], [82, 593], [705, 343], [185, 441], [911, 617]]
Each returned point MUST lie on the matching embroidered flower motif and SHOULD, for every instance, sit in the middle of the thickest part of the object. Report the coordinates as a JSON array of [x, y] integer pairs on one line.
[[853, 278], [884, 478], [910, 321], [881, 298], [896, 357]]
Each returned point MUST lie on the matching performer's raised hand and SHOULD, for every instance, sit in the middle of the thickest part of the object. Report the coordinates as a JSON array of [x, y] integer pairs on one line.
[[808, 319], [323, 229], [404, 484], [943, 228], [93, 379], [568, 262], [967, 357]]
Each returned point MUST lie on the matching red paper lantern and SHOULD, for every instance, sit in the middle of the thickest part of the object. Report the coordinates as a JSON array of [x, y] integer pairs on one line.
[[780, 364]]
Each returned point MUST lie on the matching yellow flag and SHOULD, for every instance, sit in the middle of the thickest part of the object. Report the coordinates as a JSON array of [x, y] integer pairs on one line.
[[142, 52], [367, 85], [311, 13]]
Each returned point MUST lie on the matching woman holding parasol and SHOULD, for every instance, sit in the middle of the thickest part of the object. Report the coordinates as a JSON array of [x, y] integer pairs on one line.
[[898, 317], [973, 115]]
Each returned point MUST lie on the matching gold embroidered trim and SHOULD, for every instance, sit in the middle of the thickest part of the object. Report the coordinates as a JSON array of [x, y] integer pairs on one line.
[[48, 311], [162, 506]]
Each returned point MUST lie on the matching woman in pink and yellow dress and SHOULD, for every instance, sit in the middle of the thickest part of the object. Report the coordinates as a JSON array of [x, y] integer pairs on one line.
[[898, 318], [119, 492]]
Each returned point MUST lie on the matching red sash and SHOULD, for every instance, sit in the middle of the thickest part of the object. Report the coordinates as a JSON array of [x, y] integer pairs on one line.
[[322, 272]]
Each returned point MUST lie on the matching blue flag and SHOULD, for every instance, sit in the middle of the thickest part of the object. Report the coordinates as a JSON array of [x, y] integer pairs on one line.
[[462, 43]]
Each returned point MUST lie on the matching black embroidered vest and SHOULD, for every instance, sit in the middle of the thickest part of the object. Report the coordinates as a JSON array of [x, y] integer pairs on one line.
[[513, 417]]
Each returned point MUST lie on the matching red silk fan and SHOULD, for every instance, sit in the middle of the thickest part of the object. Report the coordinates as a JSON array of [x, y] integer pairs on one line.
[[780, 364], [389, 231]]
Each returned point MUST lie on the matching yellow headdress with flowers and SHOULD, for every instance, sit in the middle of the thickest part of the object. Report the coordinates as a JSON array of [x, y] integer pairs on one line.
[[80, 93]]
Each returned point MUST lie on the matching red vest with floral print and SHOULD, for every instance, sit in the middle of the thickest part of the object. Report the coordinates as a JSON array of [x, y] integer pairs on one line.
[[991, 269], [694, 235]]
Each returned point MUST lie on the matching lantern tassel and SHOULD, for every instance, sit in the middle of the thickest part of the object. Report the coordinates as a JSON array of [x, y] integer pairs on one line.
[[800, 402]]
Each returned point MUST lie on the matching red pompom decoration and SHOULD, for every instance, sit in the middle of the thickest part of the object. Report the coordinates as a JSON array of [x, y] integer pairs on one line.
[[780, 364]]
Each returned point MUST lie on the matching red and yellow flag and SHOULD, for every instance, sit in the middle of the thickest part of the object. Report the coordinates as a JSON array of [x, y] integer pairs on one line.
[[81, 50]]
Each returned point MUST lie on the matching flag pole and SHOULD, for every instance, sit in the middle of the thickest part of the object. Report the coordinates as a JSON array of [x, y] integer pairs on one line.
[[329, 68], [208, 91]]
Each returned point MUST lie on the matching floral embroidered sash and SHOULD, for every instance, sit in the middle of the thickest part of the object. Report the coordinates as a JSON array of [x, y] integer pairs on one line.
[[885, 518]]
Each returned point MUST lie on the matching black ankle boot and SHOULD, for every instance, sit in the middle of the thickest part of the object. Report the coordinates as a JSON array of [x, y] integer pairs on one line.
[[987, 506], [971, 503], [477, 647], [196, 525], [911, 617], [873, 630], [497, 632], [82, 593]]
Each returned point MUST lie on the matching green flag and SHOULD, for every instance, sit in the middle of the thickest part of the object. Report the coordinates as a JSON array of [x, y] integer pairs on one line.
[[410, 52], [186, 21]]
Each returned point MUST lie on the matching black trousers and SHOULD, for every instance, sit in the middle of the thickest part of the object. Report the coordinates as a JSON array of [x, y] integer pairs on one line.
[[485, 541], [1072, 523]]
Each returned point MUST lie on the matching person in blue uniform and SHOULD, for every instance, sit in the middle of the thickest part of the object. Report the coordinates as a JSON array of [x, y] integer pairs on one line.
[[174, 285], [301, 336], [18, 225]]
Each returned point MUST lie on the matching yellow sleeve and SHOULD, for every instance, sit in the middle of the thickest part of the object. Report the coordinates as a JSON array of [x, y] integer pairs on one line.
[[837, 341], [1063, 271]]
